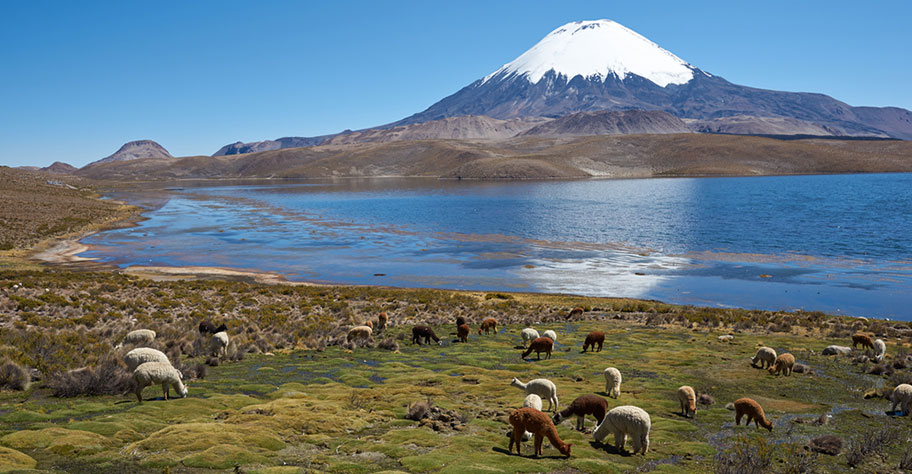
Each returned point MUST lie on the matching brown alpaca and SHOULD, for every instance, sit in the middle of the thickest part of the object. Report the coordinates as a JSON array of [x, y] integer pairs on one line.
[[488, 325], [423, 331], [862, 339], [369, 324], [578, 311], [382, 319], [746, 406], [594, 337], [688, 400], [542, 344], [460, 321], [584, 405], [783, 364], [535, 422], [462, 332]]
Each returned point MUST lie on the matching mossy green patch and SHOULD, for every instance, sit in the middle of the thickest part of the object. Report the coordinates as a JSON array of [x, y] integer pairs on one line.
[[223, 457]]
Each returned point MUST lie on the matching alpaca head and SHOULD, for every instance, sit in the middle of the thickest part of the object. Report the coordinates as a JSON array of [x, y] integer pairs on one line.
[[183, 391], [565, 449], [767, 424], [515, 382]]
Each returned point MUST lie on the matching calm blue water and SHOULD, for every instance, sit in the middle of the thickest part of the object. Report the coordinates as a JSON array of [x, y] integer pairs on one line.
[[829, 243]]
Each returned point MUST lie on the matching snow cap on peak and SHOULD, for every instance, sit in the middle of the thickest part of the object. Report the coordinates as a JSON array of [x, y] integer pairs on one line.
[[598, 48]]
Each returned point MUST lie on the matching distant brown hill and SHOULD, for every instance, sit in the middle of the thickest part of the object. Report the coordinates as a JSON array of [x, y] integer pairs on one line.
[[60, 167], [532, 157], [136, 150], [608, 122]]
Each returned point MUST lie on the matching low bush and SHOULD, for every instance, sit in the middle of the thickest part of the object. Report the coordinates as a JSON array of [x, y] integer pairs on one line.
[[109, 377], [13, 376]]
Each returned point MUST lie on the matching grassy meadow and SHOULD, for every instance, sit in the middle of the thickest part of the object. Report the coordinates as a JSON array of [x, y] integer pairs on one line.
[[292, 396]]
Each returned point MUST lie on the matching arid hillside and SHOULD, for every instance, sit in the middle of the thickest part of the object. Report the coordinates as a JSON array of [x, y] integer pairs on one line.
[[638, 156]]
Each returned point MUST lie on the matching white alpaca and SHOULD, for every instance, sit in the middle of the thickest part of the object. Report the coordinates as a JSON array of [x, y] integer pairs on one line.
[[361, 333], [902, 397], [152, 373], [218, 344], [880, 350], [613, 382], [626, 421], [726, 338], [544, 388], [529, 334], [837, 350], [766, 356], [139, 336], [532, 401], [550, 335], [141, 355]]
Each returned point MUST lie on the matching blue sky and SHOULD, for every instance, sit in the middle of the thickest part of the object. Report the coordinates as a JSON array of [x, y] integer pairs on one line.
[[78, 79]]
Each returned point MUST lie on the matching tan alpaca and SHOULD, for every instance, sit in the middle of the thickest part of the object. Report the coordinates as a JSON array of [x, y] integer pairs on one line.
[[381, 321], [753, 410], [542, 344], [535, 422], [688, 400], [462, 332], [783, 364], [578, 311], [862, 339], [488, 325]]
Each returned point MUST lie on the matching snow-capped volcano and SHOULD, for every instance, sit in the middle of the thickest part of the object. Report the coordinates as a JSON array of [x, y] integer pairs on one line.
[[601, 65], [596, 50]]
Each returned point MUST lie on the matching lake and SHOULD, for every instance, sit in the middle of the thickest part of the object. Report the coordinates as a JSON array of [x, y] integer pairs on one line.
[[839, 244]]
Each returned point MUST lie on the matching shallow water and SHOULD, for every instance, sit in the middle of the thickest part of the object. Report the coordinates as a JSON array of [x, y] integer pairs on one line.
[[831, 243]]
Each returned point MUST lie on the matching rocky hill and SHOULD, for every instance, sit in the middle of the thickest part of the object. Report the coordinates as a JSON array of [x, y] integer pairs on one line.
[[136, 150]]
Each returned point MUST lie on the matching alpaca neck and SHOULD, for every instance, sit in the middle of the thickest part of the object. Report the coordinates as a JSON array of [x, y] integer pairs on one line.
[[518, 384], [551, 433]]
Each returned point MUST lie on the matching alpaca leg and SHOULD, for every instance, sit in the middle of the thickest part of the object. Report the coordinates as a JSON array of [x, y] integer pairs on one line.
[[139, 389], [635, 443], [738, 416], [895, 402], [517, 438], [645, 442], [539, 437], [556, 403], [580, 423], [600, 347], [620, 439], [165, 389]]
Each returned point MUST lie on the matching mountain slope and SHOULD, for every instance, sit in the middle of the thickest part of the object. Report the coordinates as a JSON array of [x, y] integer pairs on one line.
[[586, 66], [608, 122], [469, 127]]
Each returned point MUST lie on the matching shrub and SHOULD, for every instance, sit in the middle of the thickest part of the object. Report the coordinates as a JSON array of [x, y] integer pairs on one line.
[[13, 376], [826, 444], [798, 461], [869, 443], [109, 377], [419, 410], [745, 457]]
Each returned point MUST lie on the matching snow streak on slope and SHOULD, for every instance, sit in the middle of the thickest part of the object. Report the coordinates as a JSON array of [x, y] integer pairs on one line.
[[598, 48]]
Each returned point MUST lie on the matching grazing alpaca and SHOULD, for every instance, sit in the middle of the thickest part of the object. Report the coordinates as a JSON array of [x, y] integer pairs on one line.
[[862, 339], [902, 397], [583, 405], [137, 337], [766, 356], [423, 331], [528, 334], [544, 388], [784, 364], [550, 335], [462, 332], [537, 423], [207, 327], [626, 421], [578, 311], [746, 406], [158, 372], [880, 350], [593, 338], [688, 400], [360, 333], [381, 321], [542, 344], [218, 344], [488, 325], [141, 355], [613, 382]]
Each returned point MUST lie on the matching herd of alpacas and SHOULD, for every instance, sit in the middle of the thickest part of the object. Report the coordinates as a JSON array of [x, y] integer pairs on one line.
[[150, 366]]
